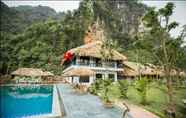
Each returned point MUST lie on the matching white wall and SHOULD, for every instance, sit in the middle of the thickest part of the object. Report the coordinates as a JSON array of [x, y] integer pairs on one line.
[[106, 73], [92, 78]]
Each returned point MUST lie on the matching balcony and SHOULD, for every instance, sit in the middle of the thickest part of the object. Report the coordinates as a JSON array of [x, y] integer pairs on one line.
[[105, 65]]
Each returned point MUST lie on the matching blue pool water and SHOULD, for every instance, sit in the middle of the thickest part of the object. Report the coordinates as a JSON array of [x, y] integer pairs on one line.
[[21, 101]]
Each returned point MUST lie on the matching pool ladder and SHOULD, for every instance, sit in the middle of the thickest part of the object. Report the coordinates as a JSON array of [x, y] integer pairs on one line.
[[126, 111]]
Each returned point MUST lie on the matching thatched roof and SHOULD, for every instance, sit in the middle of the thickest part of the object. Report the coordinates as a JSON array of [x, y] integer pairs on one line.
[[94, 49], [31, 72], [134, 69], [150, 71], [174, 72], [130, 72], [133, 65], [80, 71]]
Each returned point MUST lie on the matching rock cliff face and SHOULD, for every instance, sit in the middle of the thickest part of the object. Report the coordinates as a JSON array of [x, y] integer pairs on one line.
[[94, 33], [16, 19]]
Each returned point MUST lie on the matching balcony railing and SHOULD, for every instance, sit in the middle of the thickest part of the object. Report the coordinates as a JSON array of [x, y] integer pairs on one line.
[[97, 64]]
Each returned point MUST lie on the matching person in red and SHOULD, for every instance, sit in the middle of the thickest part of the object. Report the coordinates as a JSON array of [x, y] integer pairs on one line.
[[67, 57]]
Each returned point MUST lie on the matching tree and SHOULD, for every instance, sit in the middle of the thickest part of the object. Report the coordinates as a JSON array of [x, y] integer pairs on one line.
[[163, 47], [44, 40], [16, 19], [141, 86], [7, 58], [123, 87], [106, 82], [39, 45], [96, 86]]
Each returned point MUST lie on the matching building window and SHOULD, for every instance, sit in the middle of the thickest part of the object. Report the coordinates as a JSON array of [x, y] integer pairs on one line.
[[120, 64], [84, 79], [98, 62], [99, 76], [111, 76], [74, 61], [84, 61], [120, 76], [110, 64]]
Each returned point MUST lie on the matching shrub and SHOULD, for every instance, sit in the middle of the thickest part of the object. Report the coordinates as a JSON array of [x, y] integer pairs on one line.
[[96, 86], [106, 83], [123, 87], [141, 86]]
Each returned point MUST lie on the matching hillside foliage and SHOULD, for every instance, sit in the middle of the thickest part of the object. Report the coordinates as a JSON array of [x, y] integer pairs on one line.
[[38, 36]]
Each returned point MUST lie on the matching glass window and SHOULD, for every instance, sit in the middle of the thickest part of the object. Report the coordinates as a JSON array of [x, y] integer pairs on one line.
[[98, 76], [111, 76], [84, 79], [84, 60]]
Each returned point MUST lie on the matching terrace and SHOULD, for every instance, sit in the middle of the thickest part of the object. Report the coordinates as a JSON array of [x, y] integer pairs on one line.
[[86, 105], [94, 62]]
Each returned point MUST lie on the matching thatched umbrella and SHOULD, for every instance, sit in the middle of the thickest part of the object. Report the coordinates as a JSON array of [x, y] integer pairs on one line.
[[81, 71], [47, 73], [182, 74], [31, 72], [148, 71]]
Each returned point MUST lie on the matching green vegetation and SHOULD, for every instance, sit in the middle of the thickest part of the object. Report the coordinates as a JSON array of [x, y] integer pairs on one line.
[[123, 87], [96, 87], [141, 86], [106, 83], [155, 95], [51, 33], [165, 49], [38, 36], [16, 19]]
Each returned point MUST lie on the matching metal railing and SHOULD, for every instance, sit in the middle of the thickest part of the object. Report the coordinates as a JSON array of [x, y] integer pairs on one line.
[[96, 65]]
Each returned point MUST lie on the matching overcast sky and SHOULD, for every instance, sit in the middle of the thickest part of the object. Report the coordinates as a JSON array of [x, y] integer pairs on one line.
[[179, 14]]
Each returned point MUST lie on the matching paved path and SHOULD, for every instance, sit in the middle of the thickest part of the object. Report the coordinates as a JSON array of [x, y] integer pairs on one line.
[[85, 106], [89, 106], [138, 112]]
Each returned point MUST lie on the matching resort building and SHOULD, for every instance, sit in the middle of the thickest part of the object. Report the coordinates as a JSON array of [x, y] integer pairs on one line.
[[133, 70], [87, 63]]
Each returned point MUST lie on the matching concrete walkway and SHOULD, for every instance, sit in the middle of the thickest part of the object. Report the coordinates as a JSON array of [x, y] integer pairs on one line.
[[90, 106], [137, 112], [85, 106]]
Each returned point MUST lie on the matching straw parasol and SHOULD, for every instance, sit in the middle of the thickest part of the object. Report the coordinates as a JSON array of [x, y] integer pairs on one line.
[[81, 71], [148, 71], [31, 72], [182, 74], [47, 73], [94, 49]]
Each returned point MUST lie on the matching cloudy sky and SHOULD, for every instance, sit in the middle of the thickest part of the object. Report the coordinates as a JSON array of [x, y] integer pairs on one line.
[[60, 6]]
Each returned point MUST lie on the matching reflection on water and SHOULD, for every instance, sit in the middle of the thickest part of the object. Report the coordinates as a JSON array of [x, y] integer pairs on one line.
[[27, 89], [19, 101], [27, 96]]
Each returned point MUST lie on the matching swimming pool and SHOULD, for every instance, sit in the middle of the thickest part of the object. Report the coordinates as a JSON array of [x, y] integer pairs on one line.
[[24, 101]]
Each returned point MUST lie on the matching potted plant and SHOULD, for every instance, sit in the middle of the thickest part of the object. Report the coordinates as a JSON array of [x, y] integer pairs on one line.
[[107, 102]]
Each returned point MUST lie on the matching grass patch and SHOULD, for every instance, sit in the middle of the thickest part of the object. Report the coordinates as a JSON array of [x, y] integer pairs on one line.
[[156, 97]]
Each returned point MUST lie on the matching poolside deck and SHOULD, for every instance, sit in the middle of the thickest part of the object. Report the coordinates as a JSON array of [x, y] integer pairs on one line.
[[85, 106]]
